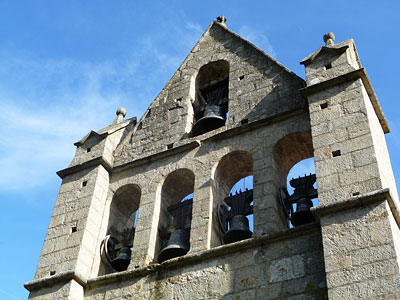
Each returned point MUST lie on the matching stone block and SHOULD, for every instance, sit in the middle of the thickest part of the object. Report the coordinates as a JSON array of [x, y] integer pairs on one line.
[[355, 248], [342, 164], [360, 174], [286, 268], [363, 157]]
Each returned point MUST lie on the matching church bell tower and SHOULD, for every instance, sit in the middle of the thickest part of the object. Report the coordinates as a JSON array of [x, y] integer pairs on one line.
[[148, 208]]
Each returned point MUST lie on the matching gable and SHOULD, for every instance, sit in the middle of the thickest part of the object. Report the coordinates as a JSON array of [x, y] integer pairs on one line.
[[259, 87]]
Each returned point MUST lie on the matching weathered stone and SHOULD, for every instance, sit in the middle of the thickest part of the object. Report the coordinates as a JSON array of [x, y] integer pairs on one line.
[[135, 174]]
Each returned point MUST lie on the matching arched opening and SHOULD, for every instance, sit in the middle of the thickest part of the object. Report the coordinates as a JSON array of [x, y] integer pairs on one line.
[[246, 183], [117, 246], [295, 164], [301, 169], [230, 197], [211, 97], [175, 215]]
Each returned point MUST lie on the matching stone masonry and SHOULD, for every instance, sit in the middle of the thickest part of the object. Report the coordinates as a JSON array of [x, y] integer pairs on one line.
[[132, 173]]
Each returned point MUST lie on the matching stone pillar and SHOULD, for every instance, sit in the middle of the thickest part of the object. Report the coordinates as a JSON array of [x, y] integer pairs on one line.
[[70, 254], [70, 244], [354, 176]]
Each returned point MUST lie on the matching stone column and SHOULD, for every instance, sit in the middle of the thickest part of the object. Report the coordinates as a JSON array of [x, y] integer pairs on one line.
[[357, 193], [70, 254]]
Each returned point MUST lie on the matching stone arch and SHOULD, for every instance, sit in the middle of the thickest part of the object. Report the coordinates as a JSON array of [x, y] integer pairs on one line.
[[290, 150], [123, 208], [123, 211], [288, 153], [176, 186], [210, 94], [230, 169]]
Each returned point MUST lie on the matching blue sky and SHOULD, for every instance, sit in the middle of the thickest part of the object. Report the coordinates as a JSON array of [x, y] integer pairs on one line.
[[66, 66]]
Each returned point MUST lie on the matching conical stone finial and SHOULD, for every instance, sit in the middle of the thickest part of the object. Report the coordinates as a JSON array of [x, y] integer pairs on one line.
[[329, 39], [121, 113], [221, 20]]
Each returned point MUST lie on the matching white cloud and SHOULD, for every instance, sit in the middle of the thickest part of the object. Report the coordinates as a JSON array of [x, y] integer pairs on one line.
[[48, 104], [195, 27], [39, 125], [258, 39], [36, 141]]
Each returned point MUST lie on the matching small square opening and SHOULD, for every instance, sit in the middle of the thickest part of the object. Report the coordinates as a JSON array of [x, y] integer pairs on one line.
[[88, 149], [241, 77], [52, 273], [170, 146], [84, 183], [324, 105], [73, 229], [336, 153], [328, 66]]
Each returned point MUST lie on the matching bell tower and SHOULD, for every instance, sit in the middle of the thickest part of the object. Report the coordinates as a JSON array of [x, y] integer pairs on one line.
[[148, 208], [358, 201]]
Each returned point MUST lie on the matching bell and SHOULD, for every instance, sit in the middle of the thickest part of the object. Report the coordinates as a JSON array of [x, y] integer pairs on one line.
[[213, 118], [121, 262], [303, 214], [239, 229], [178, 245]]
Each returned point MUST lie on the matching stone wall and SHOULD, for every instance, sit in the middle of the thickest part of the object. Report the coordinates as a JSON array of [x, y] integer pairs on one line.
[[72, 233], [360, 253], [259, 87], [351, 252], [359, 217], [203, 161], [288, 266]]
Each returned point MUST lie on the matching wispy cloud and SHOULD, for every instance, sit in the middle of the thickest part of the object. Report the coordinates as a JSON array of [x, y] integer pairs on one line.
[[9, 295], [257, 38], [47, 104], [37, 136], [55, 109], [195, 27]]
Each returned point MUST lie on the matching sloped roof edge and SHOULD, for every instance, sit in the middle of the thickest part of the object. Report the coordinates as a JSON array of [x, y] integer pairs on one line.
[[258, 49], [102, 133], [91, 133], [114, 127], [216, 23], [190, 54], [323, 49]]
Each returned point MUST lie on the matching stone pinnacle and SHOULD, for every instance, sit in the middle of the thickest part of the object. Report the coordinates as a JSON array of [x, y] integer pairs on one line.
[[329, 39]]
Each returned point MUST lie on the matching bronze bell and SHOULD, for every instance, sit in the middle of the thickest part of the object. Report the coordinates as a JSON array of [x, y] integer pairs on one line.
[[178, 245], [121, 262], [214, 117], [303, 213], [239, 229]]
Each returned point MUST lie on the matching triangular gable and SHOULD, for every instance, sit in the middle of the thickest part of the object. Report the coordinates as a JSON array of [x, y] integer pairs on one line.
[[335, 49], [102, 133], [90, 134], [166, 121], [235, 35], [321, 50], [259, 50]]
